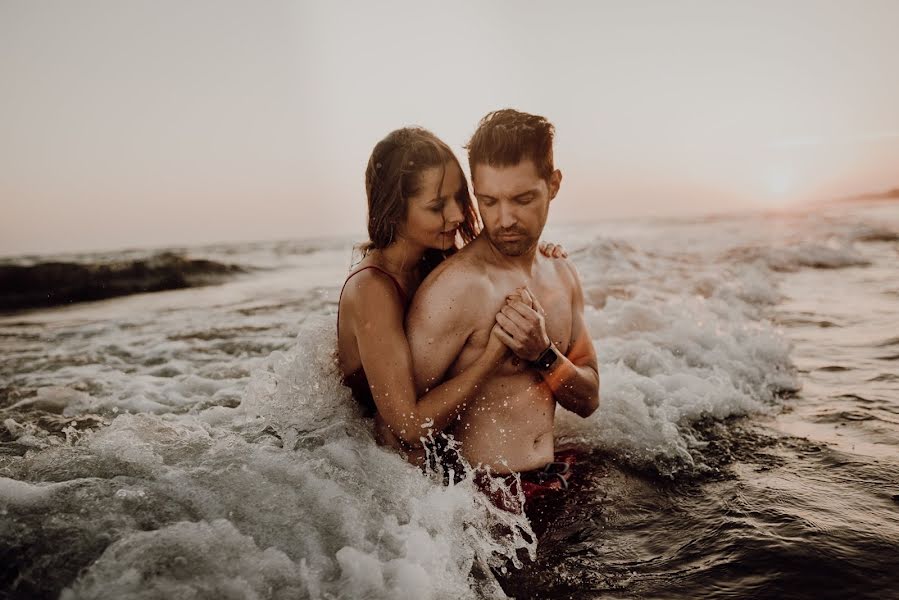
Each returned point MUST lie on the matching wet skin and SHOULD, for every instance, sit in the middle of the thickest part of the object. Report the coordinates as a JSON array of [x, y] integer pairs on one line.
[[509, 425]]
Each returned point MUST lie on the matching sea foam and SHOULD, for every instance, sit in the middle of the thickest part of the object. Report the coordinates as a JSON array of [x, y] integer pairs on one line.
[[678, 339], [287, 496]]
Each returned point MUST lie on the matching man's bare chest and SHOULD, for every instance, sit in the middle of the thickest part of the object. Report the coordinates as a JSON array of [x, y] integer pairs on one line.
[[554, 297]]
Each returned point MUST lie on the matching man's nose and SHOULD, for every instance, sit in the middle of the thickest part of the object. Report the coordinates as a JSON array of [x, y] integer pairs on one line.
[[507, 217]]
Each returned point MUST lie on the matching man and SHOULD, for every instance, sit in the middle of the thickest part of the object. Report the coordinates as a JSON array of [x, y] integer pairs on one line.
[[500, 285]]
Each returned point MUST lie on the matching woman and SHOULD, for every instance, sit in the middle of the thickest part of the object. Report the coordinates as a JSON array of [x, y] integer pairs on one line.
[[418, 203]]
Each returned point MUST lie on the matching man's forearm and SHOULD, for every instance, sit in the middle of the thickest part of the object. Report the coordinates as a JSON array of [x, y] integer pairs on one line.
[[575, 388]]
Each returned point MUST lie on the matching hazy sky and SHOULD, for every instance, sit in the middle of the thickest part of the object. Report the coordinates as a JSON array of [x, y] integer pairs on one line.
[[134, 123]]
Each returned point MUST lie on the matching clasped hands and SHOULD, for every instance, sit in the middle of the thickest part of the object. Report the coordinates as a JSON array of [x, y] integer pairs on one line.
[[520, 325]]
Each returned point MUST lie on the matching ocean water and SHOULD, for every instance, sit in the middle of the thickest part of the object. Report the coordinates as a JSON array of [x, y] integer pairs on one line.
[[197, 443]]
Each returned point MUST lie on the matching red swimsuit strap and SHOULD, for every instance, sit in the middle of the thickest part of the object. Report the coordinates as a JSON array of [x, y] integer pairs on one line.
[[399, 288]]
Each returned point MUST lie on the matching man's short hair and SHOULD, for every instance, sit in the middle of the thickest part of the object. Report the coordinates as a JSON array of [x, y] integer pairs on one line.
[[506, 137]]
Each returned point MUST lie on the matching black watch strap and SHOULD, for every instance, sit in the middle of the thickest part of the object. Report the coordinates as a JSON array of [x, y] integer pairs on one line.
[[546, 359]]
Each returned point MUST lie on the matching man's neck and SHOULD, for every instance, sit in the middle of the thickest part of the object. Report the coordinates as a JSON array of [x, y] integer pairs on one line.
[[523, 262]]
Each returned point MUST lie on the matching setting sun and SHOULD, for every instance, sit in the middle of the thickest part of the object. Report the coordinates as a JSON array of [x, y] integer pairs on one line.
[[780, 184]]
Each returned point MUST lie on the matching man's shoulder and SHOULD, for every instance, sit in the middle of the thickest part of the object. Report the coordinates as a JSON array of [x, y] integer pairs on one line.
[[563, 268], [460, 273], [442, 302]]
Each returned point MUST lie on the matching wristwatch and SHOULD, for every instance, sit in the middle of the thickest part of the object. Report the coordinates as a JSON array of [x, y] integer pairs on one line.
[[546, 359]]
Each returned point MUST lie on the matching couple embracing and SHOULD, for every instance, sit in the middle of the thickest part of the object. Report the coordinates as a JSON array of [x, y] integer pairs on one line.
[[479, 342]]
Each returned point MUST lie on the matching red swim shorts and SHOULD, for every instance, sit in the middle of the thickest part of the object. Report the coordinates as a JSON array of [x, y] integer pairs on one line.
[[553, 478]]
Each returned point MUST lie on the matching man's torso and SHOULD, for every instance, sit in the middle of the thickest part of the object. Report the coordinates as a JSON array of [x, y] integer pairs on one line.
[[510, 425]]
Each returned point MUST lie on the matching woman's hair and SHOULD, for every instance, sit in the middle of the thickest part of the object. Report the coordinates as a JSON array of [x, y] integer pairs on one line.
[[394, 174]]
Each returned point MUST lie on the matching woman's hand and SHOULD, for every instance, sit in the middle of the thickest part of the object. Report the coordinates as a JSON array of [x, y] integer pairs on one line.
[[552, 250], [496, 351]]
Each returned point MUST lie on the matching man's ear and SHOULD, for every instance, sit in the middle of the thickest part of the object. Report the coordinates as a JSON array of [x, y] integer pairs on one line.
[[555, 181]]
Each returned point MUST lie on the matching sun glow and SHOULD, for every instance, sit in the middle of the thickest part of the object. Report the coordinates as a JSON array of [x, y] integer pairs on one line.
[[780, 184]]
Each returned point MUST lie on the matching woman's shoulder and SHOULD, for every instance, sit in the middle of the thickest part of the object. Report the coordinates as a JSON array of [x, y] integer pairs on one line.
[[368, 283]]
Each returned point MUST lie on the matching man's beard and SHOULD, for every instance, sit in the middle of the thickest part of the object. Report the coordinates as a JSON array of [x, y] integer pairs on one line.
[[517, 247]]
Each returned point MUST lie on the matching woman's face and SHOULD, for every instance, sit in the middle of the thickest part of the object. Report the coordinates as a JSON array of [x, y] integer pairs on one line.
[[433, 216]]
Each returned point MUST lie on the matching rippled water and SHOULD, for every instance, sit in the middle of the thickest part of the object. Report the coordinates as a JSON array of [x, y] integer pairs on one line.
[[197, 443]]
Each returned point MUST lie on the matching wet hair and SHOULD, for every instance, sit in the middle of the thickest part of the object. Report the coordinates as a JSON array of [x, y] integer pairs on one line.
[[506, 137], [394, 175]]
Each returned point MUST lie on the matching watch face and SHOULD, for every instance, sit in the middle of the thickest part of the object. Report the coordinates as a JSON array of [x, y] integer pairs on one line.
[[547, 359]]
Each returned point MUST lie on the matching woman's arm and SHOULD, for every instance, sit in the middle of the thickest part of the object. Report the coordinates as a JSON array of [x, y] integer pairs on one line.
[[377, 322]]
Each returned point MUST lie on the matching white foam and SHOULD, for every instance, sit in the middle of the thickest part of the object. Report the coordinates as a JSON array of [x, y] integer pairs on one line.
[[674, 349], [212, 560], [15, 492], [54, 399], [679, 320], [817, 255], [329, 514]]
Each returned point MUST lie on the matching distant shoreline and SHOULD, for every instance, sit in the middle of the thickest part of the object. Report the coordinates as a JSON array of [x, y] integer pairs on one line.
[[55, 283], [890, 195]]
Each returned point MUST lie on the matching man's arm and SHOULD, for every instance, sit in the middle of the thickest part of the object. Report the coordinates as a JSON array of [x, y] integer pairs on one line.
[[573, 378]]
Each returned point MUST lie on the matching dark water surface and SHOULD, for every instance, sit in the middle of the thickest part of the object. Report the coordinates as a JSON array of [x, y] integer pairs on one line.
[[797, 520], [803, 504]]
